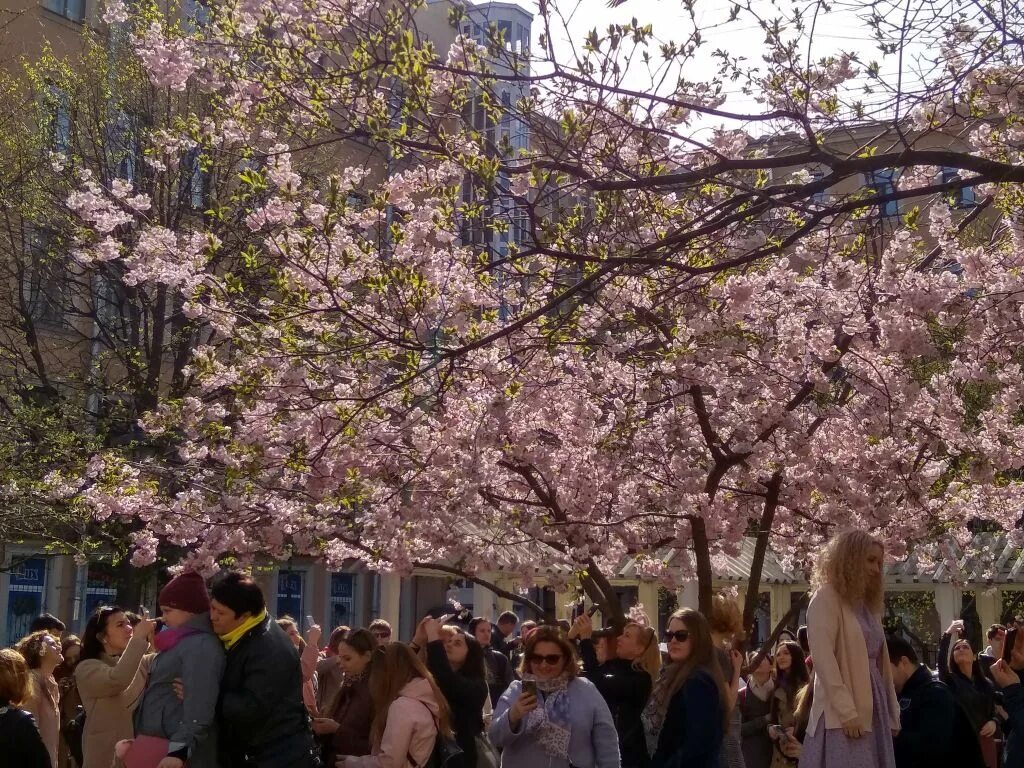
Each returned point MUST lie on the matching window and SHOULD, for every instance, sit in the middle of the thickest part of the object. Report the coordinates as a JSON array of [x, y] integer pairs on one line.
[[818, 198], [290, 593], [69, 9], [59, 106], [884, 183], [193, 181], [343, 601], [42, 283], [963, 197], [122, 147], [25, 595]]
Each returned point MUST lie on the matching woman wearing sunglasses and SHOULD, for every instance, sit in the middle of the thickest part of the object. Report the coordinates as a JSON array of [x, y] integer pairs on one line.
[[687, 714], [553, 718]]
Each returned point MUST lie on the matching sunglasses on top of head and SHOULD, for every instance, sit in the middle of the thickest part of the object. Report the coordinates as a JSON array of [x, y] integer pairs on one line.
[[680, 635], [551, 659]]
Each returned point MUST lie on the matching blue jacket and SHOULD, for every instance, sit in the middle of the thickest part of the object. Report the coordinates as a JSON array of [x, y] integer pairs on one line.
[[593, 742], [691, 736], [198, 661]]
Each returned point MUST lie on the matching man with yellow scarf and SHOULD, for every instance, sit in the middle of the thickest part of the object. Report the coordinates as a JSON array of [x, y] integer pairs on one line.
[[262, 719]]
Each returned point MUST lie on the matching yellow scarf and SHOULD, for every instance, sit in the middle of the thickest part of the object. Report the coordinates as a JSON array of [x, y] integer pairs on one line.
[[236, 634]]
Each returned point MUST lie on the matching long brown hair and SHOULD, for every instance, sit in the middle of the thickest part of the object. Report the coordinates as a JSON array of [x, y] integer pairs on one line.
[[841, 565], [702, 658], [394, 667]]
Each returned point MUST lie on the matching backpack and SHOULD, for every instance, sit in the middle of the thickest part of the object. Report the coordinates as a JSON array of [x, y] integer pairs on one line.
[[446, 749]]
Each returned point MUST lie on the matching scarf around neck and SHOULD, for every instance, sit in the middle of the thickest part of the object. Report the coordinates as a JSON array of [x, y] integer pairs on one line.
[[551, 720], [168, 638], [236, 634]]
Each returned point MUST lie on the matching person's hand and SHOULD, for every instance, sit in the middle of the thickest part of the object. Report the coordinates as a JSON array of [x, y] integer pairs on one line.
[[988, 730], [853, 729], [956, 627], [121, 748], [340, 762], [324, 725], [1003, 675], [179, 688], [583, 627], [774, 731], [419, 637], [524, 705], [737, 663], [313, 635], [431, 628], [145, 629], [170, 762], [791, 747]]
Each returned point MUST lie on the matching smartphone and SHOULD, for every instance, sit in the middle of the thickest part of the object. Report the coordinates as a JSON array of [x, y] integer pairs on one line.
[[593, 609], [529, 687], [309, 622], [159, 626], [1009, 643], [445, 619]]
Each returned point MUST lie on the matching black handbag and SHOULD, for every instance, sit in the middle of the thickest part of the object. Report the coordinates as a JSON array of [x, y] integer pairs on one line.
[[446, 749], [72, 732]]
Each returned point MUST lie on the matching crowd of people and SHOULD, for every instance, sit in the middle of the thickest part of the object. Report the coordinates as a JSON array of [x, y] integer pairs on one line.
[[216, 682]]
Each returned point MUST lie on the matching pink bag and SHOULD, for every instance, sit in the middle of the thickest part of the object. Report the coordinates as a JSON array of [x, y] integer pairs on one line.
[[145, 752]]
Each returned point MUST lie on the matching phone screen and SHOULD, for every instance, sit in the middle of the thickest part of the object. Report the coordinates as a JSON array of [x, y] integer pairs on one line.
[[1009, 643], [529, 687]]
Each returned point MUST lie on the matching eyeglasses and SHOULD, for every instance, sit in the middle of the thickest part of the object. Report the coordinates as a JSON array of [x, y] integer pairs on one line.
[[551, 659], [680, 635]]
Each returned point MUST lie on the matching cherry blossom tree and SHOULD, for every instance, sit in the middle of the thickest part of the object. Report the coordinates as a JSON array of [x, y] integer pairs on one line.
[[703, 333]]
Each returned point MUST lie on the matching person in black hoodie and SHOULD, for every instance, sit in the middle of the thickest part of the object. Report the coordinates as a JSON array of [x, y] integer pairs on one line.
[[499, 669], [934, 730], [262, 718], [974, 692], [625, 681], [456, 661], [20, 741]]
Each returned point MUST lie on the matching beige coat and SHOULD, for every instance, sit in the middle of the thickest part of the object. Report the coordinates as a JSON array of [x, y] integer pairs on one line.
[[43, 705], [842, 682], [110, 689]]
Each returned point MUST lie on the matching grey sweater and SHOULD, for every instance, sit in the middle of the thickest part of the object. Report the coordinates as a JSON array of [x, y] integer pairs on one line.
[[189, 725]]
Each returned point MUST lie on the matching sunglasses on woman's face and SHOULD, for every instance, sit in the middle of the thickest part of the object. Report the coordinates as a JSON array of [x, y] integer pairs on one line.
[[551, 659], [680, 635]]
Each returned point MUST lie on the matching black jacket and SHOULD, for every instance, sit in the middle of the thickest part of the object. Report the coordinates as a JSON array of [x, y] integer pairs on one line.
[[625, 690], [20, 742], [1013, 701], [500, 674], [466, 697], [975, 694], [691, 735], [934, 730], [754, 719], [263, 721]]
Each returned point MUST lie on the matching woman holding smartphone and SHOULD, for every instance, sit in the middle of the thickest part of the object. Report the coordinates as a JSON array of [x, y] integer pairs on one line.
[[960, 670], [553, 718]]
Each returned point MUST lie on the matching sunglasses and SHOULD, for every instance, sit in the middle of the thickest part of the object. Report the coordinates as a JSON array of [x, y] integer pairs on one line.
[[680, 635], [551, 659], [381, 634]]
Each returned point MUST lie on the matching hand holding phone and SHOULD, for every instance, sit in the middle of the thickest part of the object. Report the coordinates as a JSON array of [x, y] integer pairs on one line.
[[529, 687]]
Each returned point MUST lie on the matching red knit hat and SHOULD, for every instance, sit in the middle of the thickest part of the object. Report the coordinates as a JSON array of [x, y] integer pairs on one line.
[[186, 592]]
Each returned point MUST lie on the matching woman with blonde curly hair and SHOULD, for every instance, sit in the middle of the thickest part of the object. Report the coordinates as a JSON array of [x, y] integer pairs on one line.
[[854, 711]]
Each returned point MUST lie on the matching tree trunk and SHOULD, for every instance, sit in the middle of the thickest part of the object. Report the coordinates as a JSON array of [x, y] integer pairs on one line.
[[793, 612], [702, 554], [764, 530]]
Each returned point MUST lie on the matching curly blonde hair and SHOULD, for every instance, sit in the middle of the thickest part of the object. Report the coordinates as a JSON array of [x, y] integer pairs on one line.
[[841, 565]]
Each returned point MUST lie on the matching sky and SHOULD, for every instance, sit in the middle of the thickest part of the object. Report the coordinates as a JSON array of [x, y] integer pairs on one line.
[[839, 28]]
